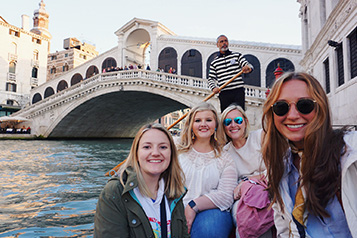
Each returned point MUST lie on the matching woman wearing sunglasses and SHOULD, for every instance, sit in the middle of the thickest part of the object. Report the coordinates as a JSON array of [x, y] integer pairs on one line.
[[245, 149], [210, 174], [312, 169]]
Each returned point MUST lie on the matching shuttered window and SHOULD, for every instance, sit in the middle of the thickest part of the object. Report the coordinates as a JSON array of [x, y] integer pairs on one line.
[[327, 75]]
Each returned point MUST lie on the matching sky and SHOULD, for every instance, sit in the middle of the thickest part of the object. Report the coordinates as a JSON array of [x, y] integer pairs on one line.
[[94, 22]]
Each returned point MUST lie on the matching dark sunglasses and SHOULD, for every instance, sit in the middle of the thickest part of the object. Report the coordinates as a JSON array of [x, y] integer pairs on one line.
[[228, 121], [304, 106]]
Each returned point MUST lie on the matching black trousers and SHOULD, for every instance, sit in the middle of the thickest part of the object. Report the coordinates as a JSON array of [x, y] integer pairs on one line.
[[228, 97]]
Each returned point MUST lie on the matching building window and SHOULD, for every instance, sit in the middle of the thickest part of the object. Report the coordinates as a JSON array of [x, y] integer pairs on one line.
[[37, 41], [53, 57], [53, 70], [35, 55], [12, 67], [353, 52], [10, 102], [66, 55], [11, 87], [327, 75], [14, 33], [34, 72], [191, 53], [340, 71], [65, 67]]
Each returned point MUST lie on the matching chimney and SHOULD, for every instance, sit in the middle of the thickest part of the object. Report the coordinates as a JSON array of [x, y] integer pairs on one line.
[[25, 22]]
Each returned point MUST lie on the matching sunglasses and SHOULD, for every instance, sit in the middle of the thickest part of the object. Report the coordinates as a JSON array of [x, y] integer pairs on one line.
[[228, 121], [304, 106]]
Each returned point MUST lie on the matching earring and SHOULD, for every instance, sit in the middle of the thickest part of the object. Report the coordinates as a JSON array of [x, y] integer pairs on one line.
[[193, 135], [215, 134]]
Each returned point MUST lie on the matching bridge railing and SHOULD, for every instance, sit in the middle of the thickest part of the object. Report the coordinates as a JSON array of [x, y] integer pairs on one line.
[[252, 93]]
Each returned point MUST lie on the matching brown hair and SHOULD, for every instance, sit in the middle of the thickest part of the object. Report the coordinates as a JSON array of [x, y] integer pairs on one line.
[[173, 175], [187, 133], [322, 148]]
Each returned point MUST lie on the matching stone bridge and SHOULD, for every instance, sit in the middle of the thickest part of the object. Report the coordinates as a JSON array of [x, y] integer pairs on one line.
[[117, 104]]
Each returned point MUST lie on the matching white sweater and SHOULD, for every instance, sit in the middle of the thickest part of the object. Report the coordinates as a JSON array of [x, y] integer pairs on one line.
[[207, 175]]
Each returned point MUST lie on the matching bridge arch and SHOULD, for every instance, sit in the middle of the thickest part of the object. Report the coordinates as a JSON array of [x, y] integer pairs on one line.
[[92, 70], [191, 63], [76, 79], [62, 85], [48, 92], [167, 59], [209, 61], [36, 98], [109, 62], [253, 78], [137, 47], [284, 63]]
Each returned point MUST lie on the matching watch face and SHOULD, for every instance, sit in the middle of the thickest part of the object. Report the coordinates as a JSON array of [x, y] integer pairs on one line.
[[192, 204]]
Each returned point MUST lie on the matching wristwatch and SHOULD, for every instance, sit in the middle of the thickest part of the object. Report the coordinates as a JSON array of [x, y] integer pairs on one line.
[[192, 204]]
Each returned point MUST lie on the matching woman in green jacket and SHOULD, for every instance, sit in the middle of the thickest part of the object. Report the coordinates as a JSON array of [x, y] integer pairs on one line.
[[145, 199]]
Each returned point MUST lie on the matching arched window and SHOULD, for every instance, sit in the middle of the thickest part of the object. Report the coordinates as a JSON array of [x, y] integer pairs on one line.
[[62, 85], [91, 71], [209, 61], [36, 98], [167, 59], [76, 79], [286, 66], [108, 63], [34, 72], [12, 67], [253, 78], [191, 63], [48, 92]]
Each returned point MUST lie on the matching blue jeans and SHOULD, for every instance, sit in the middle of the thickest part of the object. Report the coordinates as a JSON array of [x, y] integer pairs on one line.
[[212, 223]]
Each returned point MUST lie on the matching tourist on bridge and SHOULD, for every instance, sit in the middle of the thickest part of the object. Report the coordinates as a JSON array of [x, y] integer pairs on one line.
[[226, 65], [312, 169], [145, 198], [211, 175]]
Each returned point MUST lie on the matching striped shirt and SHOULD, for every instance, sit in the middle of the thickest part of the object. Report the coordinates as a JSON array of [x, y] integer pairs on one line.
[[224, 67]]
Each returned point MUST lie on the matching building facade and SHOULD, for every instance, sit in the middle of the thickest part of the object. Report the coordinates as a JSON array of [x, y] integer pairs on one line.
[[74, 54], [329, 36], [23, 60]]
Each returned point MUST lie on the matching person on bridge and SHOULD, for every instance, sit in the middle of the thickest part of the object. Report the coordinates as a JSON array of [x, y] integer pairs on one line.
[[312, 169], [211, 175], [145, 198], [226, 65]]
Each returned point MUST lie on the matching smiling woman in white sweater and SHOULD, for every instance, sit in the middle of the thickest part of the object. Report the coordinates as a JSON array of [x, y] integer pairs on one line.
[[210, 174]]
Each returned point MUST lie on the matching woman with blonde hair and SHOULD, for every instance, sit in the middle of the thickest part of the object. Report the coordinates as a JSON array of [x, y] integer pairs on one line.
[[145, 200], [312, 169], [244, 146], [210, 174]]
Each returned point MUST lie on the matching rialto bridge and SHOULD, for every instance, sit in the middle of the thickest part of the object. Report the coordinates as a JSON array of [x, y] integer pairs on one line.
[[88, 102], [117, 104]]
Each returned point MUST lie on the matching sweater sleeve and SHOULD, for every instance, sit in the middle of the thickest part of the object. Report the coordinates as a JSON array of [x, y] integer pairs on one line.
[[110, 217], [212, 77], [222, 197]]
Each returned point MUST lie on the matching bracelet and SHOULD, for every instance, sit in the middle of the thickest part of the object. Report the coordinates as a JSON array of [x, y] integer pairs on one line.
[[193, 205]]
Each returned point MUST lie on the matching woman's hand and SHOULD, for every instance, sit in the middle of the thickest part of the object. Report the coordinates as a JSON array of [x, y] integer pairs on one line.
[[236, 192], [190, 217]]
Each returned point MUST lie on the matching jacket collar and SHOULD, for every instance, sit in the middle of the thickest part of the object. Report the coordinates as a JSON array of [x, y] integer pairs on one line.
[[226, 53]]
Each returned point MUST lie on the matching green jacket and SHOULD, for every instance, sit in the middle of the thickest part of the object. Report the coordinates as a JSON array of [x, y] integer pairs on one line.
[[119, 213]]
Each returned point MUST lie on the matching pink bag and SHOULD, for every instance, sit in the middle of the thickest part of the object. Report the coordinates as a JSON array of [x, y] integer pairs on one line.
[[254, 218]]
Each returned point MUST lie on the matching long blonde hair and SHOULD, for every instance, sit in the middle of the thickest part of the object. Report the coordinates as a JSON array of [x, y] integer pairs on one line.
[[322, 148], [187, 140], [173, 175]]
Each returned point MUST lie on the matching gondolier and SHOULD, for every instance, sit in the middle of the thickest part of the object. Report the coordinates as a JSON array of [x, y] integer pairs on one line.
[[224, 67]]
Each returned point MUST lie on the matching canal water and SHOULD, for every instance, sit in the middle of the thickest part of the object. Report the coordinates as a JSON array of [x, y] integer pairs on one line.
[[50, 188]]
